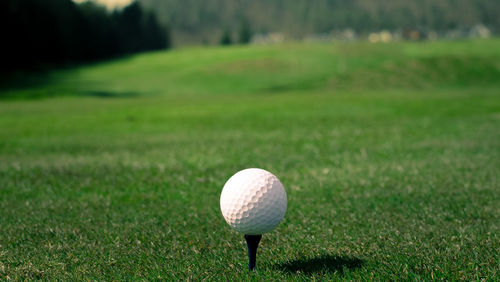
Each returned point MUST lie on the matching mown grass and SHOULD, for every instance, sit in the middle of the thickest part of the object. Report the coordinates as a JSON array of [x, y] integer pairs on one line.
[[389, 155]]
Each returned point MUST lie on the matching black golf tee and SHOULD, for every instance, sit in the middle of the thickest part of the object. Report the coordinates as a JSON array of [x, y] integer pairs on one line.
[[252, 244]]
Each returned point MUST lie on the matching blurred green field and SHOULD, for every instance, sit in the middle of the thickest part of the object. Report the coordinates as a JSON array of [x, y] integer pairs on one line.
[[389, 154]]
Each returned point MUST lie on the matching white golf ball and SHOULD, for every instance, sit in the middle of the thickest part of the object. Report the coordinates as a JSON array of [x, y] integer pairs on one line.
[[253, 201]]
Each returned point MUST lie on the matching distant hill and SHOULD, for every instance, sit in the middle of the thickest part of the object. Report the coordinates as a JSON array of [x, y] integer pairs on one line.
[[199, 21]]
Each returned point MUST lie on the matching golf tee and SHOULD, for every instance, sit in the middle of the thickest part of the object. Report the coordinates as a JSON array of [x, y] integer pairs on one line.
[[252, 244]]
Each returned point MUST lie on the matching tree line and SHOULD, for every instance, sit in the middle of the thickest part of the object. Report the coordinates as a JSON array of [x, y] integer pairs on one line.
[[212, 21], [45, 33]]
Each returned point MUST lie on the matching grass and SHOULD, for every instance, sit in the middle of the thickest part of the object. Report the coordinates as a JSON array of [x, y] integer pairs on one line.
[[389, 155]]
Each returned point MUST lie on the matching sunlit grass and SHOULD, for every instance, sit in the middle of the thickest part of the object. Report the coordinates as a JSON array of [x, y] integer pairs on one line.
[[389, 155]]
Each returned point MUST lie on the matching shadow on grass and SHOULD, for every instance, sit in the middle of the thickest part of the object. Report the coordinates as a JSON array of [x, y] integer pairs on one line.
[[323, 263], [37, 77], [24, 79], [109, 94]]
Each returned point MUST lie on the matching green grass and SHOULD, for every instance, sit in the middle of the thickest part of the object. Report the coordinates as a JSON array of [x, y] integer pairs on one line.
[[389, 155]]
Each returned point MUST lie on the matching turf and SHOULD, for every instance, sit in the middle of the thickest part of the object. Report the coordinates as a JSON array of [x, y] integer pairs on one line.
[[389, 154]]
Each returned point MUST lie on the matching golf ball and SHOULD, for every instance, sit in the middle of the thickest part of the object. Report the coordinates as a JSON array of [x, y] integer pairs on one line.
[[253, 201]]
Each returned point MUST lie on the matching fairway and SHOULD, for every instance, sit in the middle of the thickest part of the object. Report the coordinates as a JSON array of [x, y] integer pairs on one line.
[[389, 154]]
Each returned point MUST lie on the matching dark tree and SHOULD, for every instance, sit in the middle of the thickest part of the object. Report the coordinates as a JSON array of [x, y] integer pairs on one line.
[[155, 36], [44, 33], [226, 38], [245, 33]]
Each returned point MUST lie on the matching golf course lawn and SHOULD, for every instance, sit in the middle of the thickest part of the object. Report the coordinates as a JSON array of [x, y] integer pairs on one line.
[[389, 153]]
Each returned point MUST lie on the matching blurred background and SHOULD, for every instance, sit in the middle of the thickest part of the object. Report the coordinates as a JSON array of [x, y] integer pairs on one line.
[[41, 33]]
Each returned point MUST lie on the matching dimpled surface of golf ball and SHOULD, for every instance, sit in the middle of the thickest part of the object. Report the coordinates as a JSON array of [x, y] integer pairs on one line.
[[253, 201]]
